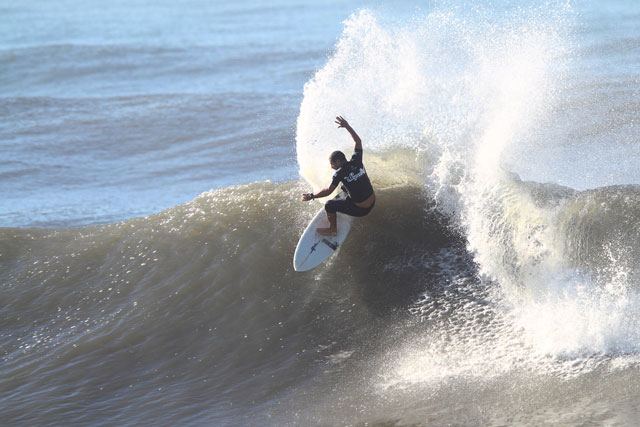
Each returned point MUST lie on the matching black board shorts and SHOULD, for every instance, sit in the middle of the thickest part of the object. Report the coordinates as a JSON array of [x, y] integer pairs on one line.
[[346, 206]]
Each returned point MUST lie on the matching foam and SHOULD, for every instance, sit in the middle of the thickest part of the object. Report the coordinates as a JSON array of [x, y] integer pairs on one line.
[[456, 90]]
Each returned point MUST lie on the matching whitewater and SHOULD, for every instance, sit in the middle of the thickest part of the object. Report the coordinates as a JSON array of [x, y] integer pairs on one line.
[[152, 182]]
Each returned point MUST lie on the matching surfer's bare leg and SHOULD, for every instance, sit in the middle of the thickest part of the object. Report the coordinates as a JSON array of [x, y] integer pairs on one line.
[[333, 226]]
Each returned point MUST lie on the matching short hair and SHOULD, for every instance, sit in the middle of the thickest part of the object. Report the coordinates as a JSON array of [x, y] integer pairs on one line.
[[337, 155]]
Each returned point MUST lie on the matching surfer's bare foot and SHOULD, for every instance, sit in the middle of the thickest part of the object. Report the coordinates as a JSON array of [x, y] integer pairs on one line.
[[332, 230], [326, 231]]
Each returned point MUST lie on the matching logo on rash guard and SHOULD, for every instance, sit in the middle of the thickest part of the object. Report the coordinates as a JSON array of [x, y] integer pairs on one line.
[[354, 176]]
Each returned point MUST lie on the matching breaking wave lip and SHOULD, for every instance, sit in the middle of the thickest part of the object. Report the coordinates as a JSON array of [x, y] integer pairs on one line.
[[456, 91]]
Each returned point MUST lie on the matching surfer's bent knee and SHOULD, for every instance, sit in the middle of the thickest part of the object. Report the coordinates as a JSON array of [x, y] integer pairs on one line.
[[347, 207]]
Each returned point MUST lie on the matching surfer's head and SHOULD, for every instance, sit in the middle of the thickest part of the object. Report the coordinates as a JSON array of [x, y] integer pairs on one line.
[[336, 159]]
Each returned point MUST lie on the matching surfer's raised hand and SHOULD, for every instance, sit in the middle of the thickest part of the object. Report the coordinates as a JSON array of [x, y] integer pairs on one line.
[[342, 123], [307, 196]]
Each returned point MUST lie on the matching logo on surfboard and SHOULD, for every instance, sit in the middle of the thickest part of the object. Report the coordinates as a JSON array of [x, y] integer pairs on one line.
[[332, 245]]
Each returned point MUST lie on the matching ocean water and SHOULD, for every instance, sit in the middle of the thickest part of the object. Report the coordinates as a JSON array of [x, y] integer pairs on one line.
[[153, 157]]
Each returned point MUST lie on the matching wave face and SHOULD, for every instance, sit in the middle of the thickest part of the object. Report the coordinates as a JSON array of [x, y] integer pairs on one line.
[[195, 313], [468, 296]]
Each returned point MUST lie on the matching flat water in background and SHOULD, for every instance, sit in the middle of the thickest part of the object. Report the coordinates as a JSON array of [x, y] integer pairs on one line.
[[151, 155], [121, 110]]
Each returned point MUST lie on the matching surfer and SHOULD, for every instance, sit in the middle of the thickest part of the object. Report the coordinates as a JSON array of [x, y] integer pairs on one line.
[[353, 177]]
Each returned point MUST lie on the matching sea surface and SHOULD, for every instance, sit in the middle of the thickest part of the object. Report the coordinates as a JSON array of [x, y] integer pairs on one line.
[[152, 158]]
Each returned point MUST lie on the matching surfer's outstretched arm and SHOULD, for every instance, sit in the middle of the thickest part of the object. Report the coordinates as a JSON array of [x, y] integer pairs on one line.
[[322, 193], [342, 123]]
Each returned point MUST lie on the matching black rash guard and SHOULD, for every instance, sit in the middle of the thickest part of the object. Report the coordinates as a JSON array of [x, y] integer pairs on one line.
[[354, 177]]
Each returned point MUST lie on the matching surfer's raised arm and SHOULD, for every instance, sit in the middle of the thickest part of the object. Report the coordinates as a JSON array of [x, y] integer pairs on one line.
[[342, 123]]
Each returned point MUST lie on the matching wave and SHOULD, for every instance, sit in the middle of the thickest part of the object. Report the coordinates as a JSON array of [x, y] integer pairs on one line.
[[207, 288], [208, 285], [453, 93]]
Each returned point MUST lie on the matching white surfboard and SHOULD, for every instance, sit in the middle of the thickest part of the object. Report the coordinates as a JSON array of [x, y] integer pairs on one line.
[[313, 248]]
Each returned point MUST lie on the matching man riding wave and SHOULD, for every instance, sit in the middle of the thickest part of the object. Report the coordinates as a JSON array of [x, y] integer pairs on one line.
[[354, 179]]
